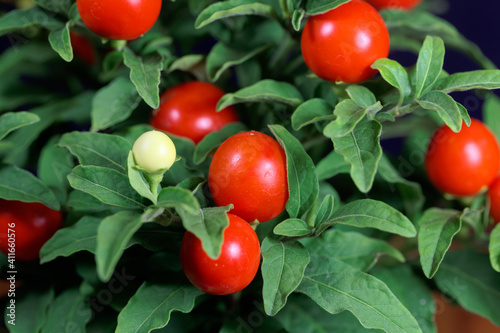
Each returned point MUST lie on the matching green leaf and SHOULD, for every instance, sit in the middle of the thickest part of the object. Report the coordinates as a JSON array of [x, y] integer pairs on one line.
[[360, 95], [223, 57], [331, 165], [394, 74], [412, 291], [32, 304], [19, 184], [81, 236], [137, 180], [315, 7], [303, 184], [436, 229], [464, 114], [224, 9], [297, 17], [361, 149], [349, 114], [212, 141], [60, 42], [339, 244], [310, 112], [69, 312], [292, 228], [283, 268], [368, 213], [480, 79], [151, 306], [114, 103], [185, 63], [468, 277], [145, 74], [11, 121], [99, 149], [491, 116], [268, 91], [429, 64], [113, 234], [336, 287], [325, 210], [25, 19], [109, 186], [445, 106], [411, 192], [494, 248], [59, 6]]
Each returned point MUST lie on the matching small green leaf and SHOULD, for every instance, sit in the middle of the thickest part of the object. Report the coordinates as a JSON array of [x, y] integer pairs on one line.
[[310, 112], [349, 114], [107, 185], [436, 229], [303, 185], [222, 57], [360, 95], [113, 234], [99, 149], [60, 42], [337, 286], [224, 9], [11, 121], [368, 213], [176, 197], [137, 180], [339, 244], [28, 18], [151, 306], [292, 228], [464, 114], [145, 74], [429, 64], [468, 277], [268, 91], [315, 7], [32, 304], [331, 165], [81, 236], [114, 103], [283, 268], [297, 17], [69, 312], [19, 184], [213, 140], [325, 210], [480, 79], [185, 63], [361, 149], [445, 106], [394, 74], [494, 248]]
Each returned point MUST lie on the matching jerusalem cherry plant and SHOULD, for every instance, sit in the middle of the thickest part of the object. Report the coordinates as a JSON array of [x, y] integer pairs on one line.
[[340, 198]]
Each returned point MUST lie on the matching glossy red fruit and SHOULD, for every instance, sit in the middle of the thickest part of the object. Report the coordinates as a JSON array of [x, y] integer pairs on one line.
[[28, 226], [342, 44], [463, 163], [494, 197], [189, 110], [249, 171], [83, 48], [395, 4], [119, 19], [233, 270]]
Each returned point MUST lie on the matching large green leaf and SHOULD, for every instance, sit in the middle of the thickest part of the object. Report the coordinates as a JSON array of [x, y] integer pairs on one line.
[[361, 149], [436, 229], [336, 287], [107, 185], [27, 19], [469, 278], [268, 91], [348, 115], [69, 312], [292, 228], [32, 304], [113, 234], [368, 213], [81, 236], [145, 74], [480, 79], [394, 74], [98, 149], [151, 306], [19, 184], [331, 165], [60, 42], [11, 121], [114, 103], [321, 6], [429, 64], [311, 111], [303, 184], [494, 248], [283, 267], [445, 106]]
